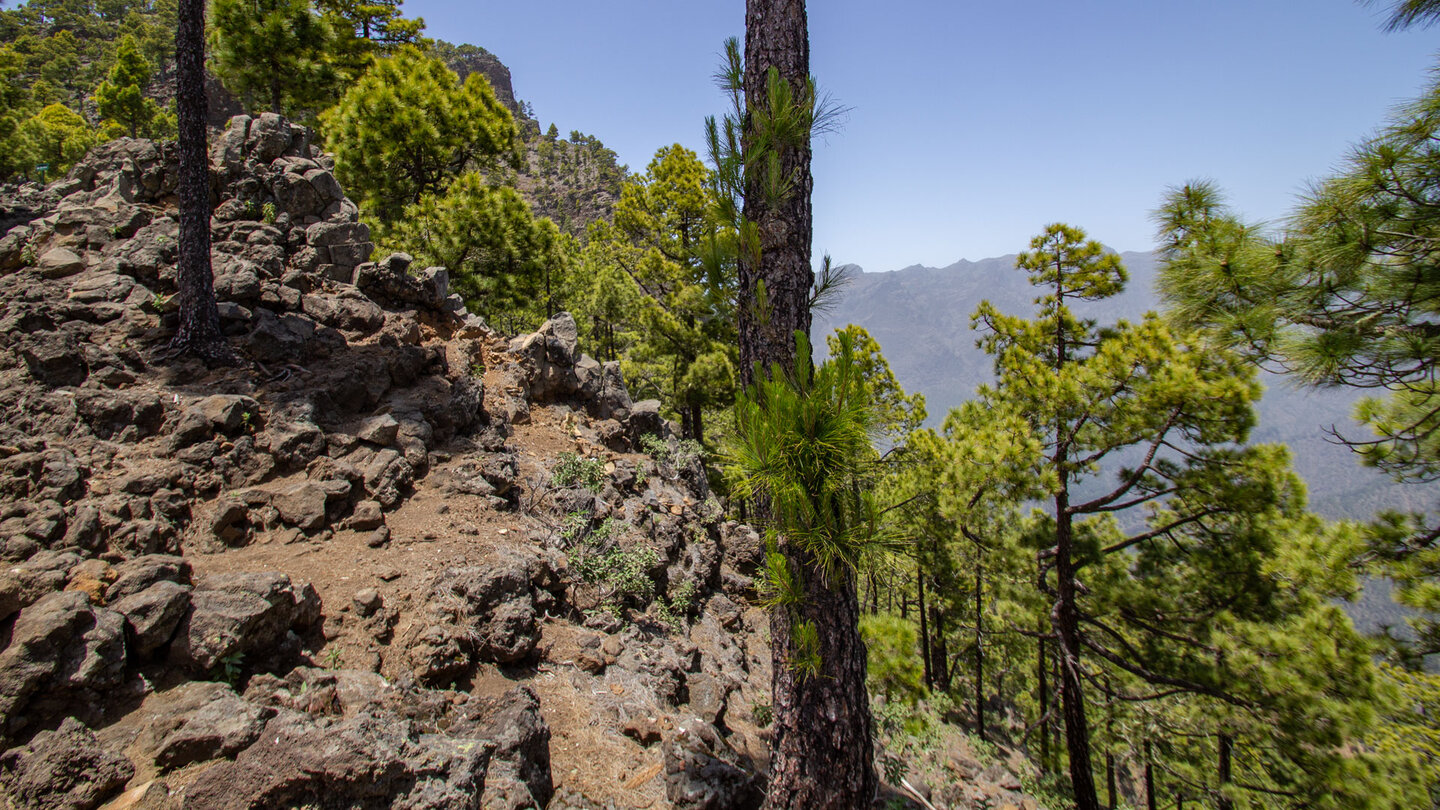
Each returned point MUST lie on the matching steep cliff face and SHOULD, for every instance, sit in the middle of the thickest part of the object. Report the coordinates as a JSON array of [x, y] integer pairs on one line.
[[465, 59]]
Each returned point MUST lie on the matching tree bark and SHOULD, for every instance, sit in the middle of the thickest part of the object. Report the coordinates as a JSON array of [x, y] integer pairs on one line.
[[776, 35], [1041, 668], [1227, 744], [821, 748], [199, 330], [1149, 779], [940, 647], [980, 652], [1066, 621], [924, 628]]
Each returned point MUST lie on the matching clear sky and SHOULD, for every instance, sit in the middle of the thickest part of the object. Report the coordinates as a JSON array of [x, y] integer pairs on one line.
[[972, 125]]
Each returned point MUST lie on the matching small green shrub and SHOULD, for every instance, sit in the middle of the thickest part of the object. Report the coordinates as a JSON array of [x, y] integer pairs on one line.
[[763, 713], [27, 255], [267, 213], [229, 668], [573, 470], [677, 608], [620, 576], [677, 454]]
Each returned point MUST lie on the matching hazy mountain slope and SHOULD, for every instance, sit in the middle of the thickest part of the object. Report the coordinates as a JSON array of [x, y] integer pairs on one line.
[[921, 317]]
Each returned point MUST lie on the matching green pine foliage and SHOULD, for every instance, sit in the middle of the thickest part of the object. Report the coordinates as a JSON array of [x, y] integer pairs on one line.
[[802, 441], [363, 31], [271, 54], [1345, 297], [1201, 583], [58, 136], [509, 266], [121, 98], [660, 295], [14, 105], [901, 414], [891, 665], [408, 128]]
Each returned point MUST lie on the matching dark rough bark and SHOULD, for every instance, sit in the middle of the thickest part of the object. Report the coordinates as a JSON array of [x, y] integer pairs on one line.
[[980, 651], [924, 628], [821, 749], [1041, 668], [1066, 621], [199, 331], [1227, 744], [776, 36], [941, 650], [1149, 779]]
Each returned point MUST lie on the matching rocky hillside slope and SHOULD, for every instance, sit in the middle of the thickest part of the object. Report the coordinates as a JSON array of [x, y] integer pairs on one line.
[[392, 560], [348, 572]]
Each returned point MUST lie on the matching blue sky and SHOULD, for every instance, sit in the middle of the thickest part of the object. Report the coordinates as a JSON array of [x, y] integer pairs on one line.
[[972, 125]]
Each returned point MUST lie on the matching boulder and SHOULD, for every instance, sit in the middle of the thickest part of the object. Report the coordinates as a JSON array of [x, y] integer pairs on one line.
[[198, 721], [55, 358], [362, 761], [140, 573], [645, 420], [244, 618], [59, 263], [702, 772], [478, 613], [152, 615], [64, 769], [229, 412], [301, 505], [60, 647]]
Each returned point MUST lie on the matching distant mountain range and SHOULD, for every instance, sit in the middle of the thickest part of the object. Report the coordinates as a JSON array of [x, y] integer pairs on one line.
[[921, 317]]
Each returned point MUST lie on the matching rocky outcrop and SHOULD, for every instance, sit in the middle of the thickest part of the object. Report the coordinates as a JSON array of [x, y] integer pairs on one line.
[[64, 769], [131, 645], [487, 612]]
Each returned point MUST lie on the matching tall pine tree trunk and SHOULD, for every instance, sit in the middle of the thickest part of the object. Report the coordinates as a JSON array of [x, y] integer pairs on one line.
[[199, 331], [1227, 745], [775, 36], [924, 627], [1041, 668], [1149, 779], [1066, 620], [980, 651], [821, 748]]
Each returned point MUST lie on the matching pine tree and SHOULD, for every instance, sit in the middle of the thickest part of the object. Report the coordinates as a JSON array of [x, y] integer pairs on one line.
[[59, 136], [378, 22], [365, 31], [761, 151], [1345, 298], [675, 253], [408, 127], [1090, 393], [13, 112], [503, 260], [121, 97], [802, 439], [273, 50]]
